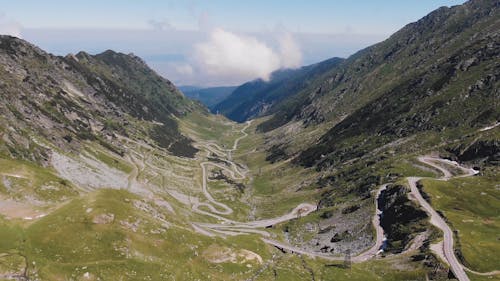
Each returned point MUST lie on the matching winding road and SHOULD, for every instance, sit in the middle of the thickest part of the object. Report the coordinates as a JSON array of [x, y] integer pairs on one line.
[[364, 256], [229, 227], [241, 175], [435, 218]]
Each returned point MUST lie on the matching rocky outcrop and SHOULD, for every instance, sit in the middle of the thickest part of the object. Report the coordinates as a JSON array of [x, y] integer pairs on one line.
[[486, 151], [400, 219]]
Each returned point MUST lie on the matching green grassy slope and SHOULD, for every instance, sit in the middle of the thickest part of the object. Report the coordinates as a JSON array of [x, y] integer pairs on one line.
[[471, 206]]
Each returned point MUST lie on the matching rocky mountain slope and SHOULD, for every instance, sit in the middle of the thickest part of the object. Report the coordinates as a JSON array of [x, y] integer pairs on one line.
[[437, 74], [432, 87], [67, 100]]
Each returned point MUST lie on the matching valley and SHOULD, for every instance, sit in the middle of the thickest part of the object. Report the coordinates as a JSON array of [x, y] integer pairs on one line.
[[153, 201], [143, 207], [380, 166], [156, 203]]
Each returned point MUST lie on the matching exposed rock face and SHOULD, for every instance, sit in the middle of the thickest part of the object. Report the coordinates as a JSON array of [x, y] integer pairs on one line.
[[442, 49]]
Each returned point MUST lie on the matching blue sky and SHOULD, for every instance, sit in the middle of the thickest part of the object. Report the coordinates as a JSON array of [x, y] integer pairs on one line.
[[180, 38]]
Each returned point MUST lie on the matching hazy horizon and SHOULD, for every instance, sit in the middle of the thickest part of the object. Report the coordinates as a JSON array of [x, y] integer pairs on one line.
[[216, 43]]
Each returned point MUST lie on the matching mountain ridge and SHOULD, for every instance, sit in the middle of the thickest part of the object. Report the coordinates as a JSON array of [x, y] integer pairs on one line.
[[395, 66], [344, 93], [257, 98], [79, 94]]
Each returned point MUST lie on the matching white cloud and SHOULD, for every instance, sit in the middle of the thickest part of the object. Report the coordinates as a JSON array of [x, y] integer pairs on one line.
[[291, 56], [9, 27], [164, 49], [242, 58], [229, 54]]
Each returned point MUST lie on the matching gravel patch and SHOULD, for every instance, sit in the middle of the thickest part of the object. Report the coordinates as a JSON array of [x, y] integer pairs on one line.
[[87, 172]]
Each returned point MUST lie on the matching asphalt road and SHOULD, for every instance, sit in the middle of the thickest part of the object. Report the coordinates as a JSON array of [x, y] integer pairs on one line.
[[435, 218]]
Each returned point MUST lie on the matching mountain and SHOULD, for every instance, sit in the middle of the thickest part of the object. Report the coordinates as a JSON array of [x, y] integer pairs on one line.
[[366, 168], [258, 98], [435, 75], [432, 88], [444, 77], [208, 96], [71, 99]]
